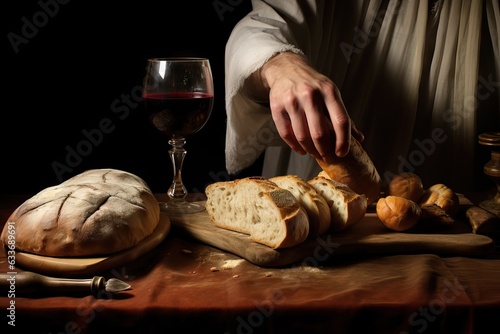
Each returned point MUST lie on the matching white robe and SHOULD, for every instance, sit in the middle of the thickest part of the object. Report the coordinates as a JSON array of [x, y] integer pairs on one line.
[[408, 72]]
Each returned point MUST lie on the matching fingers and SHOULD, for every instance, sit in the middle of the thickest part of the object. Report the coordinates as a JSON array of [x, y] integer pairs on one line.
[[307, 108], [302, 125], [308, 123], [283, 122], [340, 119], [320, 132], [356, 133]]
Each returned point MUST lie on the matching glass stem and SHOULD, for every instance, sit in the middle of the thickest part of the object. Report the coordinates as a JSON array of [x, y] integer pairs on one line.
[[177, 190]]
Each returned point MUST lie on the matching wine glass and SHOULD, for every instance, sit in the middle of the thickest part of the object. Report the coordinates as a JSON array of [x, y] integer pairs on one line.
[[178, 98]]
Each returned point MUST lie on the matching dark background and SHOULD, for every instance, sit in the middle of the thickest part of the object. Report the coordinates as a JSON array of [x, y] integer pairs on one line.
[[69, 65], [75, 65]]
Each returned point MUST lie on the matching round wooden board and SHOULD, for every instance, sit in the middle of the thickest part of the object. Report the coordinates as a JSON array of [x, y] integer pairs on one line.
[[71, 266]]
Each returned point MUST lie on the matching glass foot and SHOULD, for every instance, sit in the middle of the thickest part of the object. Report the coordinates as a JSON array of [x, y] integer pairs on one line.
[[180, 207]]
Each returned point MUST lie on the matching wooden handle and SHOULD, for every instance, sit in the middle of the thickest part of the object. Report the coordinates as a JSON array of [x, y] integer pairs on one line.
[[26, 282]]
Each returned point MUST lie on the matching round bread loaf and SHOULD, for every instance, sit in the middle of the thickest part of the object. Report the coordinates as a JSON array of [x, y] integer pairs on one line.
[[407, 185], [97, 212]]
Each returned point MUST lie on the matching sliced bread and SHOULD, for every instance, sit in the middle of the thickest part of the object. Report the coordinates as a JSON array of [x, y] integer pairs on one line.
[[315, 205], [346, 206], [269, 214]]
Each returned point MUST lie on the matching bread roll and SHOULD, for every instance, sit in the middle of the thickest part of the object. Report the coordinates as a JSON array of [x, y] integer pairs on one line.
[[270, 215], [398, 213], [356, 170], [346, 206], [97, 212], [407, 185], [442, 196], [315, 205]]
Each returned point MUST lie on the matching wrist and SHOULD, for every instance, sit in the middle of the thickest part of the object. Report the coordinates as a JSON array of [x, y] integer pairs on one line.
[[275, 66]]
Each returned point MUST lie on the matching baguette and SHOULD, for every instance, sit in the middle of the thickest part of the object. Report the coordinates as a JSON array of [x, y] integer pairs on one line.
[[356, 170], [315, 205], [258, 207], [346, 206]]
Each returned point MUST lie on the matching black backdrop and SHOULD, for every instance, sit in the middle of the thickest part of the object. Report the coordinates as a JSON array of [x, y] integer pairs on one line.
[[72, 77], [70, 66]]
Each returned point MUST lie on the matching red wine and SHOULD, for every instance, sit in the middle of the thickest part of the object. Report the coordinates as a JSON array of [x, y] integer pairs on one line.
[[180, 113]]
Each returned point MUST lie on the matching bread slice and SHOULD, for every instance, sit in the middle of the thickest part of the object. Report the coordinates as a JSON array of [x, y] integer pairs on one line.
[[346, 206], [315, 205], [258, 207], [356, 170]]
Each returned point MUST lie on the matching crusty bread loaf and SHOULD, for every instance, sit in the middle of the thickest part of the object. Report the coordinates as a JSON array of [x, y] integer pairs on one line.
[[483, 222], [442, 196], [315, 205], [269, 214], [356, 170], [97, 212], [346, 206], [398, 213], [407, 185]]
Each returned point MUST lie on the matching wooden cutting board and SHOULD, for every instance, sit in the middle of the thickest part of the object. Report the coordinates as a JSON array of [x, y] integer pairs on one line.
[[367, 238], [85, 266]]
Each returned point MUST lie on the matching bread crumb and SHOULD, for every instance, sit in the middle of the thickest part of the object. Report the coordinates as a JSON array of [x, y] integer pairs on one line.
[[193, 272], [269, 274], [187, 251], [312, 269], [236, 276], [214, 269], [230, 264]]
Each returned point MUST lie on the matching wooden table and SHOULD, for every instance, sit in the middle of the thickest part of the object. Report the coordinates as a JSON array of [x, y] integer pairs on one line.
[[185, 286]]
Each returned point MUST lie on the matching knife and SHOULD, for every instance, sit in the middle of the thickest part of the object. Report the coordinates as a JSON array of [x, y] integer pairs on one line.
[[26, 282]]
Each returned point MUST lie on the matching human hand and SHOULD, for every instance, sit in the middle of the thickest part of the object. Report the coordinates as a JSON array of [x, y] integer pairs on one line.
[[307, 108]]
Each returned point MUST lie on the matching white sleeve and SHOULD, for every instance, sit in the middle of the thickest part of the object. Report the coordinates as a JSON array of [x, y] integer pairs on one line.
[[261, 34], [403, 76]]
